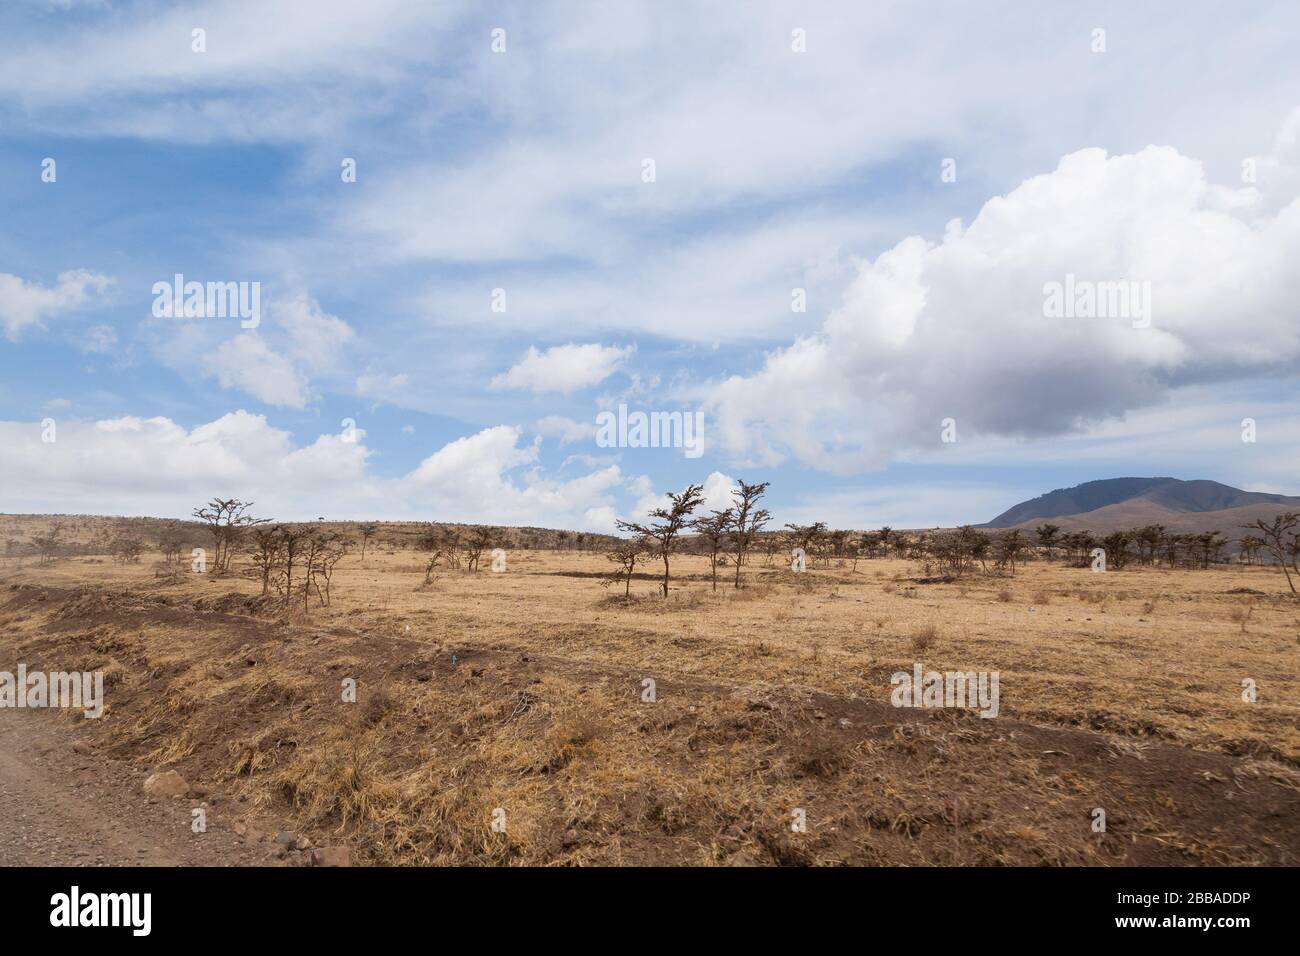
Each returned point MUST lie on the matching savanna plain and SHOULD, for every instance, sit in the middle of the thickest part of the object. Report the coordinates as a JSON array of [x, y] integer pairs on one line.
[[538, 715]]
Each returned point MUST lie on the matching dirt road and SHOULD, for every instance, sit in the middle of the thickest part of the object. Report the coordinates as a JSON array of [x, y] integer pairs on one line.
[[63, 805]]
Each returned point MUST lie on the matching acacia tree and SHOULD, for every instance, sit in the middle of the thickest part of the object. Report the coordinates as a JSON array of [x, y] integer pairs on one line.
[[226, 518], [293, 542], [954, 553], [662, 536], [171, 544], [443, 544], [126, 549], [368, 531], [713, 530], [1047, 537], [48, 545], [807, 537], [1282, 541], [1250, 546], [870, 544], [429, 541], [478, 541], [854, 550], [450, 537], [1010, 545], [750, 519], [1147, 539], [324, 551], [264, 553], [1209, 547], [1116, 546], [626, 553]]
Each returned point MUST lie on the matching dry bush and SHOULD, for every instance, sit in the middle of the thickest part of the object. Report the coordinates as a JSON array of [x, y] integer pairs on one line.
[[752, 592], [1042, 597], [1004, 597], [924, 638]]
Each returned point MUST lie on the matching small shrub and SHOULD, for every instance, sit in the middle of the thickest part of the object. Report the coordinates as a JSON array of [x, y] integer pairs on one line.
[[924, 638]]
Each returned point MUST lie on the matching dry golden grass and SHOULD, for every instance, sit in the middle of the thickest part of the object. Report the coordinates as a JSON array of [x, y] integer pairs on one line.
[[541, 713], [1098, 647]]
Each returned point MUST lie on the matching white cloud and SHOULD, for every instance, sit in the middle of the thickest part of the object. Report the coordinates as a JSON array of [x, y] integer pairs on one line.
[[564, 368], [381, 385], [316, 339], [155, 466], [471, 476], [717, 493], [298, 62], [248, 364], [24, 304], [567, 430], [99, 339], [956, 328], [914, 504], [466, 464], [275, 364]]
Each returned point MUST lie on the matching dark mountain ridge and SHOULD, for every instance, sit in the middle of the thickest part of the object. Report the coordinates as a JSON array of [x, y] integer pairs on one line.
[[1160, 495]]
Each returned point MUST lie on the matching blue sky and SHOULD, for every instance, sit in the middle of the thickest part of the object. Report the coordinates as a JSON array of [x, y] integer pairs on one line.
[[1163, 150]]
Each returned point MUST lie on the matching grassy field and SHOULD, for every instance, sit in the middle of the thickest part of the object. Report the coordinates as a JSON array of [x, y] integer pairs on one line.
[[523, 692]]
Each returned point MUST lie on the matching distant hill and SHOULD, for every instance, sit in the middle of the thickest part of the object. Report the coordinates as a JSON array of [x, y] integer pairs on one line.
[[1115, 503]]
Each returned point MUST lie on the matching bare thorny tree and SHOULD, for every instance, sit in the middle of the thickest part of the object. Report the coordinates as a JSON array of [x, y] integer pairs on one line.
[[480, 540], [626, 553], [445, 545], [741, 524], [227, 519], [295, 561], [714, 529], [749, 520], [662, 536], [1281, 539], [368, 531]]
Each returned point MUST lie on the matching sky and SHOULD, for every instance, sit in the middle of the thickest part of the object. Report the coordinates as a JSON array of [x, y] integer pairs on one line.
[[832, 233]]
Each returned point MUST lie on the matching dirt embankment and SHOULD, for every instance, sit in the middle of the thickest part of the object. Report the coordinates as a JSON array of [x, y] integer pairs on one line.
[[481, 755]]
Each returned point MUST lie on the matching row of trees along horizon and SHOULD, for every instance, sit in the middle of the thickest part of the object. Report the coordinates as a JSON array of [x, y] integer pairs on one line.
[[297, 559]]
